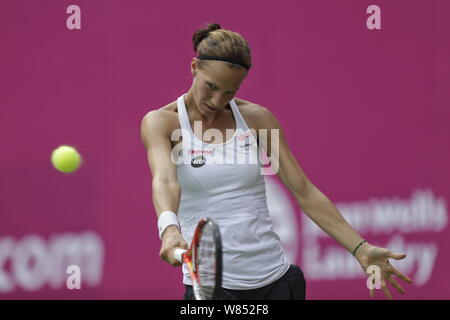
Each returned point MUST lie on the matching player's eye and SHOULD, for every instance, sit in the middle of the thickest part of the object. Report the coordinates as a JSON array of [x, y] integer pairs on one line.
[[210, 86]]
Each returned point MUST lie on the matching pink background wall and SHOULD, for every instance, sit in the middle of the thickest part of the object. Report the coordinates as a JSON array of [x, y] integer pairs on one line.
[[366, 113]]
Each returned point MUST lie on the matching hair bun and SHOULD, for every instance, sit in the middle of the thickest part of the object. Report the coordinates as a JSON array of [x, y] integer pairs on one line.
[[203, 33], [213, 26]]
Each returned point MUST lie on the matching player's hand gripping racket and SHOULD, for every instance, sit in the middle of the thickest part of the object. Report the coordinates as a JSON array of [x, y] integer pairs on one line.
[[204, 260]]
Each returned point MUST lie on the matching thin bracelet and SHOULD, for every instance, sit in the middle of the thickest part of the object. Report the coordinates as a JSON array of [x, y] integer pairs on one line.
[[359, 245]]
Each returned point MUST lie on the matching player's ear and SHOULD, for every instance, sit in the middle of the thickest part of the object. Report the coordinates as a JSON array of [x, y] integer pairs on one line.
[[194, 66]]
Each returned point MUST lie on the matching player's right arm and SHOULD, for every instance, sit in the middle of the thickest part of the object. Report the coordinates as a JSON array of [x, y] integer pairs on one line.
[[155, 135]]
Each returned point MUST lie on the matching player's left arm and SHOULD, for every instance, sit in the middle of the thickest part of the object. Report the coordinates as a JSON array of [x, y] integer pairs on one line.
[[311, 200], [316, 205]]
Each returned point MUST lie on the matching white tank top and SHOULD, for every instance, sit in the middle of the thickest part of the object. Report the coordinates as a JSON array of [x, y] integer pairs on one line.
[[231, 190]]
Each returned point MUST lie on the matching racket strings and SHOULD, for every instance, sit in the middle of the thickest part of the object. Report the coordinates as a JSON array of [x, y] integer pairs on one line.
[[206, 263]]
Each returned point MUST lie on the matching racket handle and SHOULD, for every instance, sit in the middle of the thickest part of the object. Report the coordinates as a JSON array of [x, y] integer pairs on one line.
[[178, 254]]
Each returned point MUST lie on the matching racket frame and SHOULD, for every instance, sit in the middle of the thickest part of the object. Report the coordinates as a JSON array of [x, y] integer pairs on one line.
[[190, 257]]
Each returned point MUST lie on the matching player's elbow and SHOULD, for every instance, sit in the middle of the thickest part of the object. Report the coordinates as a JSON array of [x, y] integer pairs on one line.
[[165, 185], [305, 192]]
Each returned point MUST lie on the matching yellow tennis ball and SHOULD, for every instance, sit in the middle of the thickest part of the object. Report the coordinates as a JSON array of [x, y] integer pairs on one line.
[[66, 159]]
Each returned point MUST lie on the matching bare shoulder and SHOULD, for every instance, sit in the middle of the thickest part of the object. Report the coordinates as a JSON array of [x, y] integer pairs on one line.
[[165, 116], [159, 122], [256, 116]]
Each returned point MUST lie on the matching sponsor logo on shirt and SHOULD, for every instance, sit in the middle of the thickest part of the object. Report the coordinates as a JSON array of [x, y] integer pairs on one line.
[[244, 135], [191, 151], [198, 161]]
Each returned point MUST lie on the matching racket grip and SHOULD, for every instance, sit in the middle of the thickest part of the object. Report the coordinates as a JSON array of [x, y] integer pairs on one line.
[[178, 254]]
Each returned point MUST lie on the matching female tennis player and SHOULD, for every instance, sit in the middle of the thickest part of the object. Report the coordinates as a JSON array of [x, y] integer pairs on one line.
[[233, 194]]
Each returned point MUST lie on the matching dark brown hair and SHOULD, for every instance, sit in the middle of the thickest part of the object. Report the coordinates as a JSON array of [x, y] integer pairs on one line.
[[217, 42]]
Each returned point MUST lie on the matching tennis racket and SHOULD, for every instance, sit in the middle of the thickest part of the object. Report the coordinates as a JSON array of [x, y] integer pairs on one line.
[[204, 260]]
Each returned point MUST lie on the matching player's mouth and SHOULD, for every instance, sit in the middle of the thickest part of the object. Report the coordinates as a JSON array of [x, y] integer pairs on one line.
[[210, 108]]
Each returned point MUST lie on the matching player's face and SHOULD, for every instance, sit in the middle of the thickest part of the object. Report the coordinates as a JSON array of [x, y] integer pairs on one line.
[[215, 85]]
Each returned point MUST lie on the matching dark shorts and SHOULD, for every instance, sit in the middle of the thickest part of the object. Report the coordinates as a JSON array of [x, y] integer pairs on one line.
[[291, 286]]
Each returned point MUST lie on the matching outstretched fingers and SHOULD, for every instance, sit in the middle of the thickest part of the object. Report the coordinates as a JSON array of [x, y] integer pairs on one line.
[[386, 290], [396, 285], [402, 276], [396, 256]]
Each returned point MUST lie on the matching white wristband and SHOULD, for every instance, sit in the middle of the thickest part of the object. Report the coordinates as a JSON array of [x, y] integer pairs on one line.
[[166, 219]]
